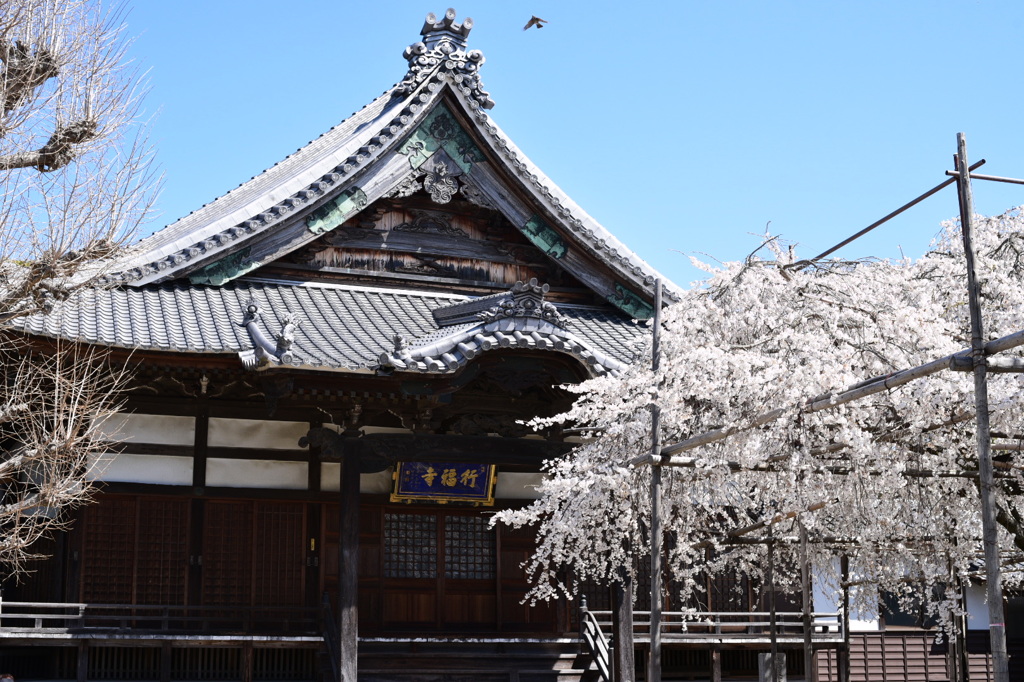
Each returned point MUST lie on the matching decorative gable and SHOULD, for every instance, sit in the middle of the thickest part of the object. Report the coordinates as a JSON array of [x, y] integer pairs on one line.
[[429, 139]]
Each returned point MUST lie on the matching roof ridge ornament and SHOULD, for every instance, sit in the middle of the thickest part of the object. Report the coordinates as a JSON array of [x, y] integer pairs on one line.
[[527, 300], [264, 351], [442, 55], [519, 318]]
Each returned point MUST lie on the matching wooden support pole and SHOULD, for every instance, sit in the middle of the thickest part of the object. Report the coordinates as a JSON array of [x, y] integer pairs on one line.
[[622, 623], [247, 655], [989, 529], [773, 633], [165, 662], [964, 660], [82, 667], [716, 663], [348, 570], [863, 390], [657, 534], [844, 658], [807, 606], [901, 209]]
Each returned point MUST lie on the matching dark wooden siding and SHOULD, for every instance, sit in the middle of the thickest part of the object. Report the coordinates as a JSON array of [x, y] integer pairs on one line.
[[134, 551]]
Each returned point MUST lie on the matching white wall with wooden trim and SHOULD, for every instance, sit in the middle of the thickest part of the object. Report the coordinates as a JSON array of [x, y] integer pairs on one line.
[[153, 469], [256, 473], [255, 433], [125, 427]]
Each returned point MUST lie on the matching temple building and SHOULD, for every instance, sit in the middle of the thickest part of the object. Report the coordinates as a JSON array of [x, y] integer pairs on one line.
[[333, 364]]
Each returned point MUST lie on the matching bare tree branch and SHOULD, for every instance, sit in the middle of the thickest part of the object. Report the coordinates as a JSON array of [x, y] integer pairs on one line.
[[75, 184]]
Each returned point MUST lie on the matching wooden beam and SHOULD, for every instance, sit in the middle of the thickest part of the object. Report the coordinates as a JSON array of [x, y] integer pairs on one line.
[[478, 449], [862, 390]]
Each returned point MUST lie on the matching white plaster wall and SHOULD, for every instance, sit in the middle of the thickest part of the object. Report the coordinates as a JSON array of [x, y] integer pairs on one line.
[[369, 484], [256, 433], [517, 486], [155, 469], [148, 428], [828, 597], [977, 607], [255, 473]]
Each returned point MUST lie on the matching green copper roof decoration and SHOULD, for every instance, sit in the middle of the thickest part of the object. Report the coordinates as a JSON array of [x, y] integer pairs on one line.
[[226, 269], [630, 303], [335, 212], [545, 238], [440, 130]]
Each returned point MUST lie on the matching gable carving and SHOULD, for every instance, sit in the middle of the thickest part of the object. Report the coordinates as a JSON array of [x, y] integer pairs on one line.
[[431, 222]]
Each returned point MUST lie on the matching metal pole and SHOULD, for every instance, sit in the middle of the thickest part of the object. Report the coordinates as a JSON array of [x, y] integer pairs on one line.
[[986, 483], [654, 660]]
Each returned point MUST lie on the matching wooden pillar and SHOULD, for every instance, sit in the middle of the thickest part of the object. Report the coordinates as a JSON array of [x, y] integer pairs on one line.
[[716, 663], [773, 633], [807, 607], [82, 672], [622, 617], [844, 657], [194, 586], [165, 662], [348, 567], [247, 662]]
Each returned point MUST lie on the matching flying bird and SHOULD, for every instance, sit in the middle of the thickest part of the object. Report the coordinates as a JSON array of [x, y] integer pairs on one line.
[[535, 21]]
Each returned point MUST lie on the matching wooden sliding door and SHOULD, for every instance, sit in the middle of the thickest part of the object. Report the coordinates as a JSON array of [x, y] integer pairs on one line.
[[442, 570]]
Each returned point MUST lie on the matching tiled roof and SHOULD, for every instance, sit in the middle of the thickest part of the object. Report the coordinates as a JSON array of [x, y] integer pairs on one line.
[[348, 162], [337, 327]]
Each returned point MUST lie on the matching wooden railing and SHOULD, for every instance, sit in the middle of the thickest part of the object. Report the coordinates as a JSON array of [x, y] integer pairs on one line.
[[595, 642], [49, 617], [726, 627]]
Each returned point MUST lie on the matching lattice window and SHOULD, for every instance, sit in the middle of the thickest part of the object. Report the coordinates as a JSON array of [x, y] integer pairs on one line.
[[469, 548], [161, 552], [227, 553], [410, 546], [108, 557]]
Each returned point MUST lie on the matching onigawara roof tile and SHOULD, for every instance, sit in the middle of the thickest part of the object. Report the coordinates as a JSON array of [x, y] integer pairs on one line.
[[335, 327]]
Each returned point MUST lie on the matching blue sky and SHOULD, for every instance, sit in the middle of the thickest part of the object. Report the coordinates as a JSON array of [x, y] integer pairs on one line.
[[683, 127]]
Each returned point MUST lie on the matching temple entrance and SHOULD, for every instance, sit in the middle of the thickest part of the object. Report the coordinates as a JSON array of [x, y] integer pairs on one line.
[[444, 570]]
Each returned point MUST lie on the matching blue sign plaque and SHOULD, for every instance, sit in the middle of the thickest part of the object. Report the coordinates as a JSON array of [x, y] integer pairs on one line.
[[443, 482]]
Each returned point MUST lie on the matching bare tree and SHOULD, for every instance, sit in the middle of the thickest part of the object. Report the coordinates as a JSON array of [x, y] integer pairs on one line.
[[75, 183]]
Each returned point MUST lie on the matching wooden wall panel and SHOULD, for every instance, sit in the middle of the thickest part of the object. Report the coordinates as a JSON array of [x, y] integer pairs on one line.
[[279, 554], [108, 551], [162, 551], [891, 657], [227, 553], [135, 550]]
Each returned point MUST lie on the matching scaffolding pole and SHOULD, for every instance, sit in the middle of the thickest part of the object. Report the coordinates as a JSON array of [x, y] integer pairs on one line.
[[657, 536], [986, 483]]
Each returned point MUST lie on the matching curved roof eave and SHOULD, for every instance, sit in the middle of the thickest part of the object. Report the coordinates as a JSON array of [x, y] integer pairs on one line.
[[261, 193], [334, 162], [584, 227]]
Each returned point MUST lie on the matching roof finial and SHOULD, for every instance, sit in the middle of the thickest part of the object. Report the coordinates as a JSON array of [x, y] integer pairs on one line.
[[434, 31], [442, 55]]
